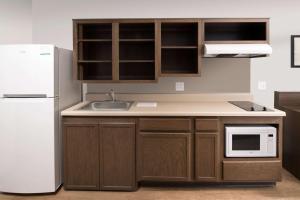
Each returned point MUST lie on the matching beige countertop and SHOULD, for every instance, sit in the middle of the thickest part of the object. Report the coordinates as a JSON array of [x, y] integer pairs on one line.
[[219, 108]]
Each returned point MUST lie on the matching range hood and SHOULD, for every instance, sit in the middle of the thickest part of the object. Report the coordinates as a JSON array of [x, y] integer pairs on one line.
[[237, 50]]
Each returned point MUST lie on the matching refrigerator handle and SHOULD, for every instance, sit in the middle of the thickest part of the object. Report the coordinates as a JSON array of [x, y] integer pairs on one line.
[[24, 96]]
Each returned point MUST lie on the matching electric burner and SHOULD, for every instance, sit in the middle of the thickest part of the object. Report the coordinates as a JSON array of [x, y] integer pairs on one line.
[[250, 106]]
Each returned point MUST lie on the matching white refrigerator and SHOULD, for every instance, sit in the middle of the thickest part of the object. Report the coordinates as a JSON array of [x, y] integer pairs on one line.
[[35, 85]]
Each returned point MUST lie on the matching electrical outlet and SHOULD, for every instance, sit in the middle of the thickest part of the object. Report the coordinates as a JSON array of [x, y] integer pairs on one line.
[[179, 86], [262, 85]]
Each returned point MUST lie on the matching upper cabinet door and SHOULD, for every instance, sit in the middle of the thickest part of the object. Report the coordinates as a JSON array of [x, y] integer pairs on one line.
[[27, 70]]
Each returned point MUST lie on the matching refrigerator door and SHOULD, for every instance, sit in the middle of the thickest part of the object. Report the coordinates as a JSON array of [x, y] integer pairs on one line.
[[27, 141], [27, 69]]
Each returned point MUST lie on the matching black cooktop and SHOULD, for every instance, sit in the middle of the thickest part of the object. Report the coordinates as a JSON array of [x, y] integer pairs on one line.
[[250, 106]]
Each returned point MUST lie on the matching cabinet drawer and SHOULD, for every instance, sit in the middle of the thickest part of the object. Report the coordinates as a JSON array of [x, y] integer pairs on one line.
[[165, 124], [268, 171], [207, 124], [80, 120]]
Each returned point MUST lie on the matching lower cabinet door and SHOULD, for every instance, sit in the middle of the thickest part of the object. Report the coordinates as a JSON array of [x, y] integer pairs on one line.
[[206, 157], [164, 156], [117, 155], [81, 156]]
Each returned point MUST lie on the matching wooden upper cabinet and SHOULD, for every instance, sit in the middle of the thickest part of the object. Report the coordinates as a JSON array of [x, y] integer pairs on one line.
[[137, 51], [236, 30], [114, 50], [180, 47], [140, 50], [92, 50]]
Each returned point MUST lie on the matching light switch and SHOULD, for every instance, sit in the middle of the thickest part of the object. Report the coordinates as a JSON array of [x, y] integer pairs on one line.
[[262, 85], [179, 86]]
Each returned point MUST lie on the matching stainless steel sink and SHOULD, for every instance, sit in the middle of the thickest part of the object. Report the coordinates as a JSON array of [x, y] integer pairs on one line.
[[107, 105]]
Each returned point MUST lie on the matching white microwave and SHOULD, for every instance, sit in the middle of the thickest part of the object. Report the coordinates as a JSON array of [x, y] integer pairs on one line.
[[250, 141]]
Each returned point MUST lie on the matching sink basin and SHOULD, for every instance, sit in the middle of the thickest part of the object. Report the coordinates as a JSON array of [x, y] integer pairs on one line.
[[107, 105]]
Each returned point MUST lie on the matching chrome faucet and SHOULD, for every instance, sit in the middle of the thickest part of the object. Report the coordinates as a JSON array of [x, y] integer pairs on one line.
[[112, 95]]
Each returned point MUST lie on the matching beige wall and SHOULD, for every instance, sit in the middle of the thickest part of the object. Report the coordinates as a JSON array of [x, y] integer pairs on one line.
[[218, 75], [15, 21], [52, 24]]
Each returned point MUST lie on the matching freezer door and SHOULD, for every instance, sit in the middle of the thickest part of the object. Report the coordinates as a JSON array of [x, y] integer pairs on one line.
[[27, 69], [27, 152]]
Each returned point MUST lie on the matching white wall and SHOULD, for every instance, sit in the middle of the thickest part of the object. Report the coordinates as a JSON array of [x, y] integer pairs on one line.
[[52, 24], [276, 70], [15, 21]]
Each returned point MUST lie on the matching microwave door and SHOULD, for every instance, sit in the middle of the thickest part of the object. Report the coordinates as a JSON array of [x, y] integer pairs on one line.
[[243, 145], [246, 142]]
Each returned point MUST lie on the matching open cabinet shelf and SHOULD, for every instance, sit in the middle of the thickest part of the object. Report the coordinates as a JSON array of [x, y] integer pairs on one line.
[[95, 51], [95, 31], [96, 71], [136, 31], [94, 47], [179, 34], [94, 40], [137, 61], [137, 71], [136, 40], [94, 61], [179, 50], [179, 47], [137, 51], [229, 31], [179, 61]]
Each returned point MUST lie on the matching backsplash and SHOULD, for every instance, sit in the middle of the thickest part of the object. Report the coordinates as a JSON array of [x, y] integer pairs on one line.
[[227, 75]]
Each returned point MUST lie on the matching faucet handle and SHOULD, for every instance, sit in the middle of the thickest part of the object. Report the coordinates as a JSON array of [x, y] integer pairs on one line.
[[111, 94]]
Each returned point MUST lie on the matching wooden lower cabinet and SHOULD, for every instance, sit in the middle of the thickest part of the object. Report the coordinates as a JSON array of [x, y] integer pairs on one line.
[[164, 156], [117, 143], [116, 153], [81, 156], [99, 154], [252, 170], [206, 157]]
